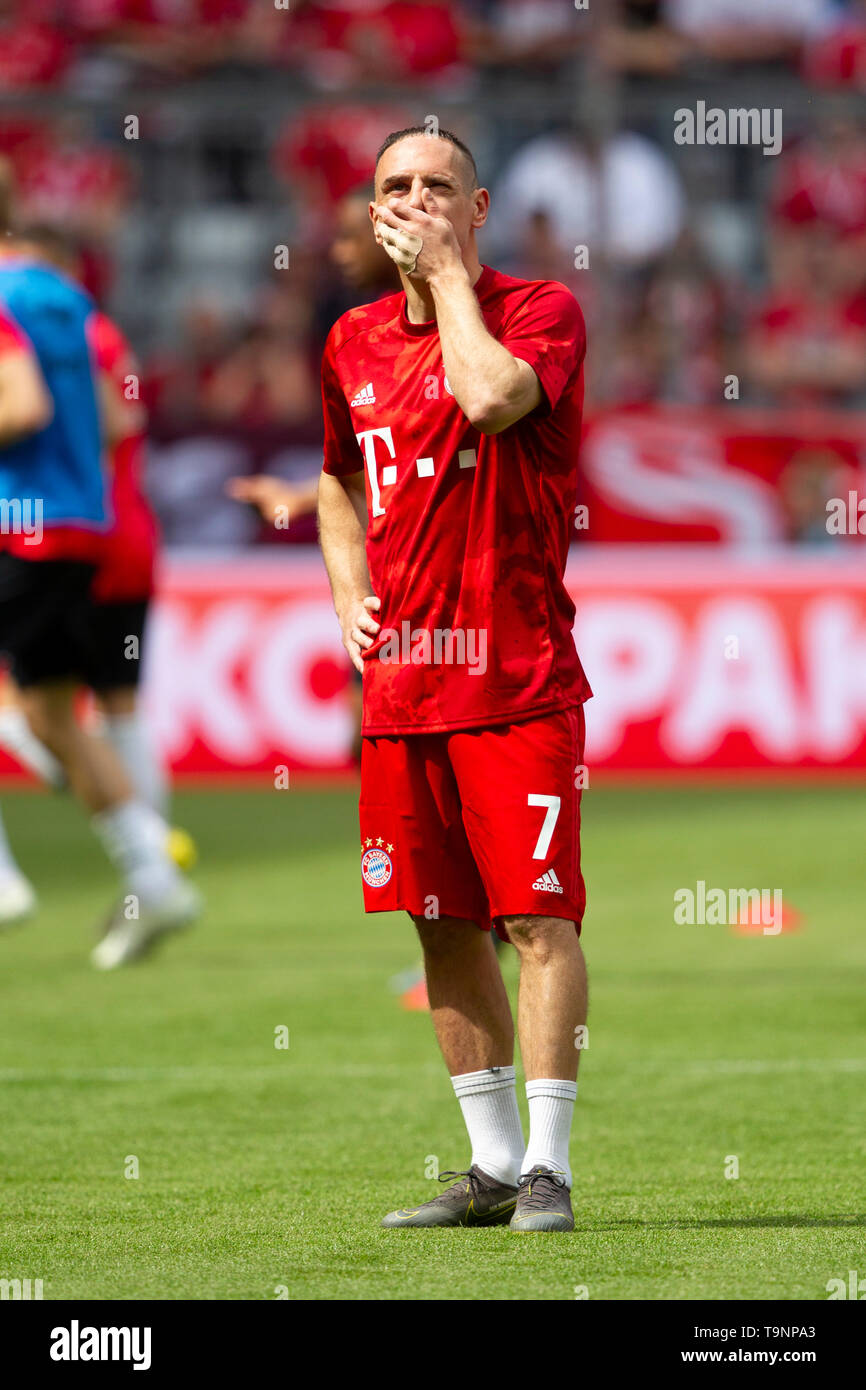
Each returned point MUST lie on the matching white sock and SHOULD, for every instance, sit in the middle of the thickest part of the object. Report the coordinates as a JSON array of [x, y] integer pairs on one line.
[[8, 866], [551, 1107], [488, 1100], [129, 736], [134, 838], [18, 738]]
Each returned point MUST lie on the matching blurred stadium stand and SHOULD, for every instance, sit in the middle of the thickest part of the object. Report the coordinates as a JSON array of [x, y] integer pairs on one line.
[[251, 121]]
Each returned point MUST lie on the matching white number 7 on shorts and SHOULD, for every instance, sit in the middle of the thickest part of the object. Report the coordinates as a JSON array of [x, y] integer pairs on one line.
[[553, 804]]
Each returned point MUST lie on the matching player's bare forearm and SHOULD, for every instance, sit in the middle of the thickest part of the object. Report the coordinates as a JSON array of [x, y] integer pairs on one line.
[[493, 388], [275, 500], [342, 533]]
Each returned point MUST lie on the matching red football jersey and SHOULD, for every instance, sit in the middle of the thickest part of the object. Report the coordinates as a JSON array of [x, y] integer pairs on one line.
[[468, 533], [129, 549]]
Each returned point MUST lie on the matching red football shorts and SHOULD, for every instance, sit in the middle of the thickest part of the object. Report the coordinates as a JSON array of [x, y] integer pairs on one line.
[[479, 824]]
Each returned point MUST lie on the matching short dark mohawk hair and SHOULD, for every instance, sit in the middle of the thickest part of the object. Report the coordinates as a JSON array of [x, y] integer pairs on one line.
[[449, 135]]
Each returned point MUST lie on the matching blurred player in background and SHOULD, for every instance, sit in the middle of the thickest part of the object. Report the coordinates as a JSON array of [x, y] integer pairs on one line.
[[55, 412], [120, 594], [122, 587]]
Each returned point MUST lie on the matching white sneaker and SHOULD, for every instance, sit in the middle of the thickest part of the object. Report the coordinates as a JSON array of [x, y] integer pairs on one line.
[[17, 898], [126, 941]]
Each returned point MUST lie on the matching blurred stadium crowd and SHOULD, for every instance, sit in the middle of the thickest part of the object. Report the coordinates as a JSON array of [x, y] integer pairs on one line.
[[179, 143]]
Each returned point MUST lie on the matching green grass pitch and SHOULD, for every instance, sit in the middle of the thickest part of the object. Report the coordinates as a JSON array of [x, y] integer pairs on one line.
[[263, 1169]]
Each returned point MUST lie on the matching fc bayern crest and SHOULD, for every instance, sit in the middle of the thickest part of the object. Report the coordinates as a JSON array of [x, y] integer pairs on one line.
[[376, 867]]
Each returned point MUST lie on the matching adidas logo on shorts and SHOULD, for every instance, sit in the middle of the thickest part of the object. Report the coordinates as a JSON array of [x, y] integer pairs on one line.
[[548, 883], [366, 395]]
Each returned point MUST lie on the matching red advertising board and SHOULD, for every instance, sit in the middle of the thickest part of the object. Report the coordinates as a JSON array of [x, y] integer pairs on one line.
[[711, 661], [697, 660], [664, 474], [700, 659]]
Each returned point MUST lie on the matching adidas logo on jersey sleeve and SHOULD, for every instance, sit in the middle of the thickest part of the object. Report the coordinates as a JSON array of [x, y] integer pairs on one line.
[[548, 883], [366, 396]]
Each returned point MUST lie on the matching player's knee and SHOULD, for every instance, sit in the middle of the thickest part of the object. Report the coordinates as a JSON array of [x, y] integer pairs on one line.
[[538, 937], [446, 936], [50, 735], [49, 719], [118, 701], [38, 719]]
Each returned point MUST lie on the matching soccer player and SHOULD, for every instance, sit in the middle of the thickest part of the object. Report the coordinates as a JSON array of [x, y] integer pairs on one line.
[[120, 596], [54, 485], [123, 585], [452, 420]]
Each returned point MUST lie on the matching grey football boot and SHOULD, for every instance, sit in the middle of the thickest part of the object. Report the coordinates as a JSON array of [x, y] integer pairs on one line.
[[543, 1202], [473, 1200]]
